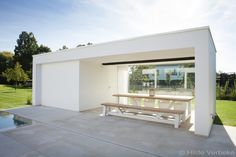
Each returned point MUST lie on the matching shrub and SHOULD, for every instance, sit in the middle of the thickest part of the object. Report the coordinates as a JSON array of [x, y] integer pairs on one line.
[[29, 100], [233, 91], [225, 90], [218, 91]]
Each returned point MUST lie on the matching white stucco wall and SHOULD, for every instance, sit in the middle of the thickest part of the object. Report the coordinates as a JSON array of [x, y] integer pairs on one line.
[[97, 84], [60, 85], [205, 82], [212, 66], [110, 79]]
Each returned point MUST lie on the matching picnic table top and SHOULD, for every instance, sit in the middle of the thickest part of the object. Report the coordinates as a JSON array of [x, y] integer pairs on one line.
[[160, 97]]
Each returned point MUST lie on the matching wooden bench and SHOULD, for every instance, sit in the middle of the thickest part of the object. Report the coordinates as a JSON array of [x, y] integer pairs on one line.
[[122, 111]]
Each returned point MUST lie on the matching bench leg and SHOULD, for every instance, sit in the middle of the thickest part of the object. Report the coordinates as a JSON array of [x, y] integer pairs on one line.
[[120, 110], [104, 112], [158, 115], [189, 110], [177, 120]]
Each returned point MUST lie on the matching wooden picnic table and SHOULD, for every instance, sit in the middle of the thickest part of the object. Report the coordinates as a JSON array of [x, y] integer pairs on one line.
[[171, 98]]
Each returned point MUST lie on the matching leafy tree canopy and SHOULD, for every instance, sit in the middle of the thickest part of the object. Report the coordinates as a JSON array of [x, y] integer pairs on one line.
[[25, 48], [64, 47], [80, 45], [6, 61], [6, 54], [136, 76], [43, 49], [16, 74]]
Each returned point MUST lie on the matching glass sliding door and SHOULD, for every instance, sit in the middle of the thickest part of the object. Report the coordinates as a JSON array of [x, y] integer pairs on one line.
[[165, 79]]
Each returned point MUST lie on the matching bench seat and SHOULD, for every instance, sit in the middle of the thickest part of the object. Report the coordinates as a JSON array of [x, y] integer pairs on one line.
[[176, 120]]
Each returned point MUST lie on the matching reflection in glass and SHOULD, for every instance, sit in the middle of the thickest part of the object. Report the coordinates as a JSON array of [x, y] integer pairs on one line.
[[171, 78]]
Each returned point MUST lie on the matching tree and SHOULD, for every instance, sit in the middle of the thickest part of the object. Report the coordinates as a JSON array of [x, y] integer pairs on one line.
[[88, 44], [136, 77], [43, 49], [63, 47], [25, 48], [16, 74], [6, 61], [80, 45]]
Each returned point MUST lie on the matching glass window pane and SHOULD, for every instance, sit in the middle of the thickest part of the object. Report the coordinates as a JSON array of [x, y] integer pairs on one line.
[[163, 78]]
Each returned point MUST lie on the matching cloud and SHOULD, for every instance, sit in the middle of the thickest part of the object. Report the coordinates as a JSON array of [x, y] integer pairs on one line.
[[56, 23], [133, 18]]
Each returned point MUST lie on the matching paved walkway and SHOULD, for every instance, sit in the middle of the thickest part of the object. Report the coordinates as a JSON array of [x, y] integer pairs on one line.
[[62, 133]]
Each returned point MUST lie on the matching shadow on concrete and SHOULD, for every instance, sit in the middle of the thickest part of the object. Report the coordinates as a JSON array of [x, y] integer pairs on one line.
[[217, 120]]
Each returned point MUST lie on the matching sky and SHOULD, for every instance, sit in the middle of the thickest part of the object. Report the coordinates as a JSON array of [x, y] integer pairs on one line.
[[71, 22]]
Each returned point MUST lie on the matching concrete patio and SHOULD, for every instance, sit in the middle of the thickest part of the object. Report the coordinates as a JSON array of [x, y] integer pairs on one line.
[[60, 133]]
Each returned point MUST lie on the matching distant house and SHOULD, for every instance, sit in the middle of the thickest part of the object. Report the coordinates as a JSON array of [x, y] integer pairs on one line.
[[174, 72]]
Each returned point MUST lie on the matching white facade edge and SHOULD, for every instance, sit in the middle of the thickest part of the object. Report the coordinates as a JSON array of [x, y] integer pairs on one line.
[[76, 49]]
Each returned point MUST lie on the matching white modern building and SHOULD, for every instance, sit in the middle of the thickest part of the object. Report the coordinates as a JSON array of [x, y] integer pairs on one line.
[[82, 78]]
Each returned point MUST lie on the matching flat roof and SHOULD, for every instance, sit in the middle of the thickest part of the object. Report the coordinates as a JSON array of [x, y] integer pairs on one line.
[[133, 38]]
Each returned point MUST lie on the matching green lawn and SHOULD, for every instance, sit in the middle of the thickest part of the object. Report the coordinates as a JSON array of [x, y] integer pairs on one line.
[[11, 98], [226, 111]]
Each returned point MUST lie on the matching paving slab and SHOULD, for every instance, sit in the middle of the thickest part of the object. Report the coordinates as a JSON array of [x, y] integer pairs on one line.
[[11, 148], [36, 135], [78, 145], [32, 154], [44, 114]]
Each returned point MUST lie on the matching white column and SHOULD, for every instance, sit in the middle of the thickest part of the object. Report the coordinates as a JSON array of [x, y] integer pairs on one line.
[[203, 120], [122, 82], [36, 86]]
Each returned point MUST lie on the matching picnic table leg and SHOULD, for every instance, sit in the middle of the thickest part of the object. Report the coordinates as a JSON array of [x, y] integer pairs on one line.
[[188, 112], [136, 101], [189, 108], [177, 120], [118, 100]]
